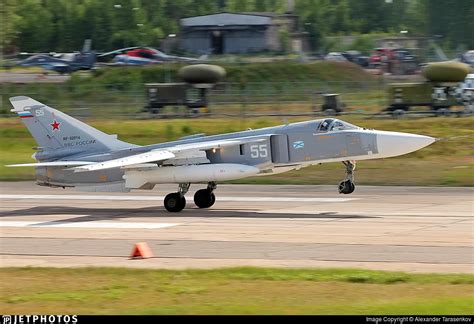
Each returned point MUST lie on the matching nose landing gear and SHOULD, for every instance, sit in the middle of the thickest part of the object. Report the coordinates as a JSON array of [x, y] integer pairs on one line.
[[205, 198], [347, 186]]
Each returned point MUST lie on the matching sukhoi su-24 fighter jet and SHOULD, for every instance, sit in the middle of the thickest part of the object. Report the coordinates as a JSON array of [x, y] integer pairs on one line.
[[71, 153]]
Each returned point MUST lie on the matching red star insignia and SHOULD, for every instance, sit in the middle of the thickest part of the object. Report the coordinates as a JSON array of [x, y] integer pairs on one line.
[[55, 125]]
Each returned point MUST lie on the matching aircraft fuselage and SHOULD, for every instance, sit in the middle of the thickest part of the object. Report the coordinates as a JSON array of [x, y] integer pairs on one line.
[[274, 150]]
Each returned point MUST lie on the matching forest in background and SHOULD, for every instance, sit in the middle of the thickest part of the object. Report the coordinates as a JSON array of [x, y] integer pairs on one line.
[[63, 25]]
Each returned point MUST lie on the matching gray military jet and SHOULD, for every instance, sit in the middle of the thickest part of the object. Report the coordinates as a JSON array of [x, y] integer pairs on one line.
[[64, 62], [71, 153]]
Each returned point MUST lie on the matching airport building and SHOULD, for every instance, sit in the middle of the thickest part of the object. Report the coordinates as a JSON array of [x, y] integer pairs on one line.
[[226, 33]]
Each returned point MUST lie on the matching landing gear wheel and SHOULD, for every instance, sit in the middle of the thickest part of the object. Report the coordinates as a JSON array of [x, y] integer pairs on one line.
[[174, 202], [213, 199], [346, 187], [352, 187], [204, 198]]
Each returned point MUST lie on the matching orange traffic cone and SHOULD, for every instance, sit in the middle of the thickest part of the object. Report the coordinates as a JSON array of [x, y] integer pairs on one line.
[[141, 250]]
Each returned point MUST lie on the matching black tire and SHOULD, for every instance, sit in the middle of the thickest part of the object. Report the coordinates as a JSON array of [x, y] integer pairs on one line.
[[346, 187], [330, 112], [398, 113], [213, 199], [174, 202], [443, 112], [204, 198], [342, 187], [351, 187]]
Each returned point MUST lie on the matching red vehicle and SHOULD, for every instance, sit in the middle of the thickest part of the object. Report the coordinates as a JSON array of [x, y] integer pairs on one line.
[[142, 52], [380, 55]]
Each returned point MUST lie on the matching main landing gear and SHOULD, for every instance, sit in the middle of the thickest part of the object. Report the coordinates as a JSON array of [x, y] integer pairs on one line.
[[347, 186], [204, 198], [175, 202]]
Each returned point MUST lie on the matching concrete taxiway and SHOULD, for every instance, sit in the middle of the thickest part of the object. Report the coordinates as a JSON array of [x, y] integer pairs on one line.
[[413, 229]]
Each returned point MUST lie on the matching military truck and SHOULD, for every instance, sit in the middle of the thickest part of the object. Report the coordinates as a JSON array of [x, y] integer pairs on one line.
[[438, 92], [191, 93], [465, 93], [331, 104], [184, 94]]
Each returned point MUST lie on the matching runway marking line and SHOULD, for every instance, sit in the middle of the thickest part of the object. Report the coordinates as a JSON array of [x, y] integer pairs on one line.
[[95, 224], [157, 198]]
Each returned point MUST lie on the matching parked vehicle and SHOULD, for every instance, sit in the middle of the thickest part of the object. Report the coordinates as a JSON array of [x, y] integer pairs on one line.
[[160, 95], [439, 92], [465, 93], [380, 56], [402, 62], [468, 58], [356, 57], [191, 93], [331, 104], [335, 56]]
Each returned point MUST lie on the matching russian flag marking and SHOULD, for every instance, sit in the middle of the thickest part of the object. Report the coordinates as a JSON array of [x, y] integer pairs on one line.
[[25, 114]]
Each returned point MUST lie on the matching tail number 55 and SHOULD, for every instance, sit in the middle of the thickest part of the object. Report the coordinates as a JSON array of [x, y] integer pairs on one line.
[[258, 151]]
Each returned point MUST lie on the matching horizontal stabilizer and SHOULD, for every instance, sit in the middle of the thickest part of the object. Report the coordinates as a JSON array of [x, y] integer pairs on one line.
[[51, 164], [152, 156]]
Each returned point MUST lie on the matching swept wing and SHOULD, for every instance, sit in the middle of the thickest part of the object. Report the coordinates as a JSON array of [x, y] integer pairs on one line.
[[51, 164], [181, 151]]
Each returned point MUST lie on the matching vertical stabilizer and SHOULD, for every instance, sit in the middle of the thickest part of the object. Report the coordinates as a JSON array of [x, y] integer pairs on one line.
[[87, 46], [58, 134]]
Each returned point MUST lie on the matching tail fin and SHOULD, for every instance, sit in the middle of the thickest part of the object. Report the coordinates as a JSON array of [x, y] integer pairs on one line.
[[204, 57], [86, 48], [59, 135]]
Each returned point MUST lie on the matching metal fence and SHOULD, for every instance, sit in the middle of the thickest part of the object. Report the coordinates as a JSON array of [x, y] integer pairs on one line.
[[128, 100]]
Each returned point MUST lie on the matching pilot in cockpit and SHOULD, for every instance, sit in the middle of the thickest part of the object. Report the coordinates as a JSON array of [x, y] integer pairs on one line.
[[335, 125]]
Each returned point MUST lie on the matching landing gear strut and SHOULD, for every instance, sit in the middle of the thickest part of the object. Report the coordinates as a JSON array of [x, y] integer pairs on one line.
[[175, 202], [205, 198], [347, 186]]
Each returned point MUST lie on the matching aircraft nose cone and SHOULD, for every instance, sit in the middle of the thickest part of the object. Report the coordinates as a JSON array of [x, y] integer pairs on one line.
[[394, 143]]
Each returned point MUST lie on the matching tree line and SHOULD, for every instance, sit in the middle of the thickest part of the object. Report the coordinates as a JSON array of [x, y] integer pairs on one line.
[[63, 25]]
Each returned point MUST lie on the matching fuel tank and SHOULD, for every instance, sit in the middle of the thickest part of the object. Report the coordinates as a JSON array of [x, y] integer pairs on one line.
[[188, 173]]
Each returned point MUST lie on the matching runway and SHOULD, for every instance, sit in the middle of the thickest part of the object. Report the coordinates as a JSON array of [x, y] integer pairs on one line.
[[414, 229]]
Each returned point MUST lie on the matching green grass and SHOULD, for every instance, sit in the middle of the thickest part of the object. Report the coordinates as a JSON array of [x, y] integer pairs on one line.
[[115, 90], [448, 162], [22, 69], [278, 71], [243, 290]]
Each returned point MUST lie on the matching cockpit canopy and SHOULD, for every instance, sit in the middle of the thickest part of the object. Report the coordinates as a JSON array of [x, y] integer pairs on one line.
[[330, 124]]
